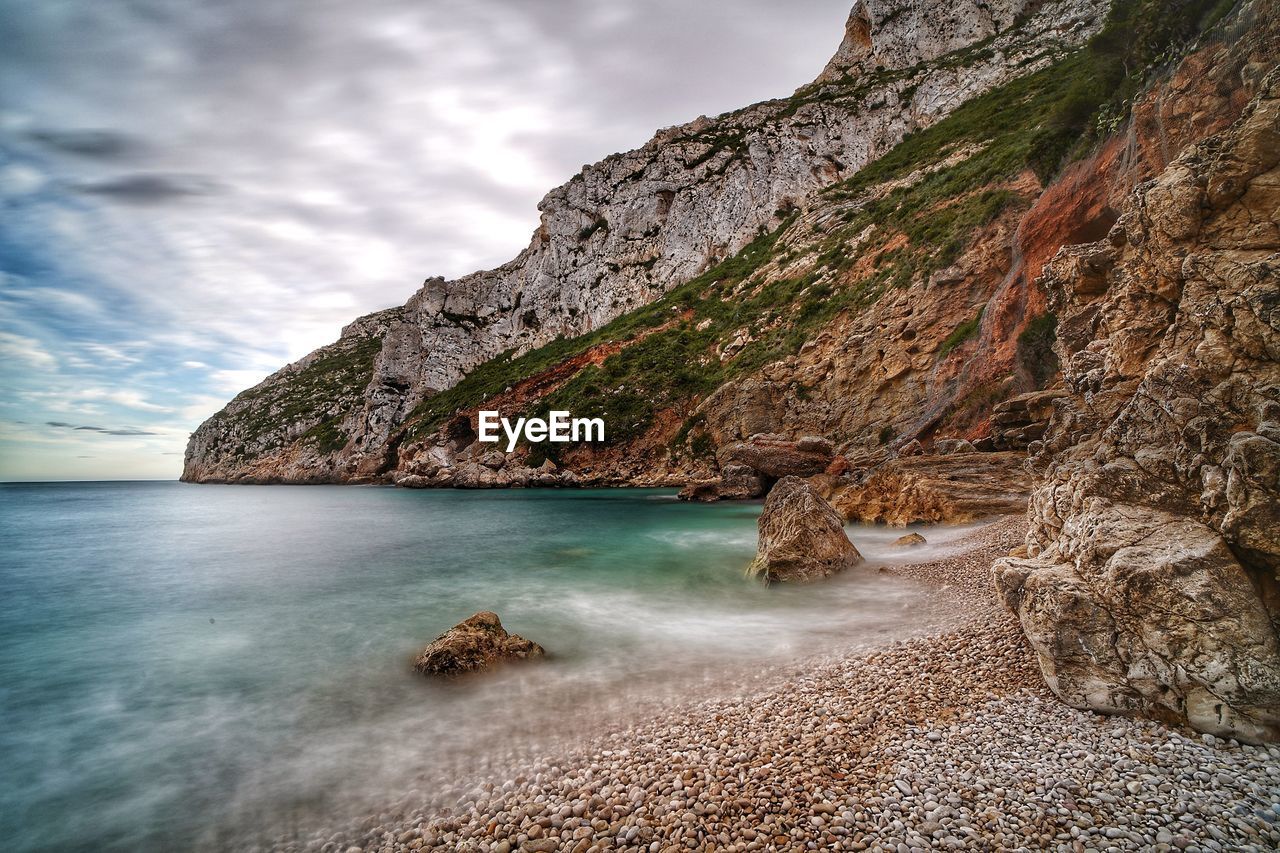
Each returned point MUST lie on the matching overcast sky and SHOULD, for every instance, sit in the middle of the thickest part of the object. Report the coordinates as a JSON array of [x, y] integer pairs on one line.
[[196, 192]]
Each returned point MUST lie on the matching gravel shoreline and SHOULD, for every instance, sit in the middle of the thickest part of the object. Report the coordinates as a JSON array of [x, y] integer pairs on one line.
[[943, 742]]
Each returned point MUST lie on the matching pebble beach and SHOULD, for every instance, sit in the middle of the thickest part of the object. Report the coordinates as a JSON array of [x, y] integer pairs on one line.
[[948, 741]]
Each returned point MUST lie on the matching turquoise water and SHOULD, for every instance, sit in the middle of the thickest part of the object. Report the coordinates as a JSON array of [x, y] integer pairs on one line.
[[191, 666]]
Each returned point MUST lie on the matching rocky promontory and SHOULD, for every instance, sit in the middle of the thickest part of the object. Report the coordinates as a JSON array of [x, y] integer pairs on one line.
[[626, 232]]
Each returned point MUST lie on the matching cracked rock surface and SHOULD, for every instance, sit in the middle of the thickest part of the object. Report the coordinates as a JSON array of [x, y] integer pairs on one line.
[[1152, 581]]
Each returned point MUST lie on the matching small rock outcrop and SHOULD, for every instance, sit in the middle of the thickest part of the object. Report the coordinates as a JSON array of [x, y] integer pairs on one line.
[[1022, 419], [911, 540], [475, 644], [736, 482], [776, 456], [1151, 583], [802, 537], [937, 489], [952, 446]]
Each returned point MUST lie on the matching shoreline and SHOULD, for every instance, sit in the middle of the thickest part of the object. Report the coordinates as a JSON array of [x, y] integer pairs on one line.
[[945, 741]]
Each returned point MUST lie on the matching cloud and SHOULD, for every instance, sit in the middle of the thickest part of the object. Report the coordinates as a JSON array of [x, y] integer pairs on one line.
[[234, 381], [121, 397], [149, 188], [26, 350], [103, 430], [196, 409], [111, 352], [95, 144], [20, 179], [52, 299]]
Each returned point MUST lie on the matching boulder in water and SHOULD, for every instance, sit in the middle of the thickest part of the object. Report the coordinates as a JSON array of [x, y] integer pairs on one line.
[[802, 537], [475, 644], [911, 540]]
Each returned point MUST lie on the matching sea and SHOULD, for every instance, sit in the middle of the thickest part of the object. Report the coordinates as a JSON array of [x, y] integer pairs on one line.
[[217, 667]]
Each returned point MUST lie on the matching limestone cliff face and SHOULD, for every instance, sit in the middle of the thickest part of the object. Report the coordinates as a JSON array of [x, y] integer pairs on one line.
[[1152, 582], [627, 229], [898, 35], [293, 425]]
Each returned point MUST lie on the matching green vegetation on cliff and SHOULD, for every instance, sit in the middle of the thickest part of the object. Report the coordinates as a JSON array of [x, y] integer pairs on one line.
[[1139, 37], [962, 333], [320, 394]]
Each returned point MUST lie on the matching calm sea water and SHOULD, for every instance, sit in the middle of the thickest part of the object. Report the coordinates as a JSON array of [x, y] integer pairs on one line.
[[193, 666]]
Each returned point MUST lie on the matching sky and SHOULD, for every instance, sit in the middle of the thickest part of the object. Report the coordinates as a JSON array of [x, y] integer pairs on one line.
[[194, 193]]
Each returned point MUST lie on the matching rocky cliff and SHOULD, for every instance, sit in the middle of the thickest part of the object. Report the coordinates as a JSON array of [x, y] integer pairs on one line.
[[1152, 581], [626, 230]]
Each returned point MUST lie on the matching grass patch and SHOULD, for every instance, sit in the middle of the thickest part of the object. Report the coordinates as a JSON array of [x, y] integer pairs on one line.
[[327, 436], [960, 334], [663, 364], [1138, 38]]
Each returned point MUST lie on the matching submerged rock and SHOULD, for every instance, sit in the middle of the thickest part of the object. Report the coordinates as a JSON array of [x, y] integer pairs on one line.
[[802, 537], [472, 645], [910, 540]]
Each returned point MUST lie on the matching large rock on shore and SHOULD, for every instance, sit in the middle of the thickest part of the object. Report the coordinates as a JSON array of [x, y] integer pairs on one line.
[[1152, 578], [802, 537], [475, 644]]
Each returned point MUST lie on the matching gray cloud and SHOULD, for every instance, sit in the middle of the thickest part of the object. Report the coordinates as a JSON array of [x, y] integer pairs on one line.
[[103, 430], [149, 188], [94, 144]]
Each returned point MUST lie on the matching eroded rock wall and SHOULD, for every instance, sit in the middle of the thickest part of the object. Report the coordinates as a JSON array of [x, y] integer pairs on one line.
[[1152, 581]]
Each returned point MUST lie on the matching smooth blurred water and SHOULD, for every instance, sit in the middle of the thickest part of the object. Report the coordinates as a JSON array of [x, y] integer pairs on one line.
[[185, 666]]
